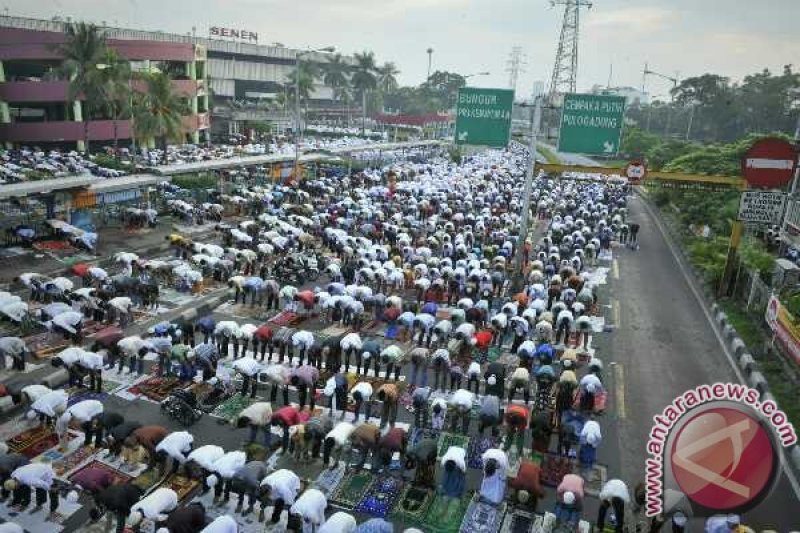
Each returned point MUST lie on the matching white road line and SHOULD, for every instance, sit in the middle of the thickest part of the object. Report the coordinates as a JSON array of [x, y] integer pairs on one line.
[[619, 389], [615, 269], [729, 356]]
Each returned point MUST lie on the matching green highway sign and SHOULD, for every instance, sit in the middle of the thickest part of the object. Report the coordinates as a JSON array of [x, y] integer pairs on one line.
[[591, 124], [483, 116]]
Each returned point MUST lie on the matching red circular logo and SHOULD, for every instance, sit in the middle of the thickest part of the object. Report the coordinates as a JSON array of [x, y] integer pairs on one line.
[[723, 459]]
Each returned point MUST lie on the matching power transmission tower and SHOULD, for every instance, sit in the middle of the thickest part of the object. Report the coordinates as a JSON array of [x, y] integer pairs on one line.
[[514, 66], [565, 68]]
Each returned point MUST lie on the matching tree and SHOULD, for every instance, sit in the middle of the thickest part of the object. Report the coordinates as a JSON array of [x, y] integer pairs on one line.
[[336, 72], [84, 49], [364, 80], [637, 142], [387, 80], [159, 112], [115, 78]]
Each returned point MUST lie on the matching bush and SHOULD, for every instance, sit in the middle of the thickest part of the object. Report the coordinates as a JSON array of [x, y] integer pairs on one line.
[[196, 181], [661, 197], [113, 163], [709, 255]]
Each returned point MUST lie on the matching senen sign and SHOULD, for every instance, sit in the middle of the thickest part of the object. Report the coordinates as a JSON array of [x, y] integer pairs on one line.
[[591, 124], [483, 116], [761, 207]]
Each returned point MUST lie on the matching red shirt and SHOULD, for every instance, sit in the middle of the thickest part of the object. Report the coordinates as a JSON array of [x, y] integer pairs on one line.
[[483, 339], [288, 415]]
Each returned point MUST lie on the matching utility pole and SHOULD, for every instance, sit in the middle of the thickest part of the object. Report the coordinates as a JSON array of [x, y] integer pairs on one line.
[[565, 67], [430, 61], [518, 279], [515, 65]]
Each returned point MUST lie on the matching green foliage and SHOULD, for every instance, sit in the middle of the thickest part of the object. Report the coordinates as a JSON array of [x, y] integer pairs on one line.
[[661, 197], [662, 153], [709, 256], [159, 111], [637, 142], [113, 163], [754, 256], [455, 154], [196, 181]]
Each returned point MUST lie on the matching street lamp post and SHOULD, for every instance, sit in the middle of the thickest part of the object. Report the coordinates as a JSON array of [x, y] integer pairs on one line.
[[526, 193], [297, 58]]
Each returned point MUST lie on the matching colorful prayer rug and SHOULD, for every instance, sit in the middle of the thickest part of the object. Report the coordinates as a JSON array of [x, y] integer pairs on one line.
[[155, 388], [182, 485], [555, 467], [445, 514], [286, 318], [446, 440], [477, 446], [86, 395], [413, 504], [380, 497], [147, 479], [352, 488], [329, 479], [72, 460], [117, 477], [32, 442], [518, 521], [230, 408], [482, 517]]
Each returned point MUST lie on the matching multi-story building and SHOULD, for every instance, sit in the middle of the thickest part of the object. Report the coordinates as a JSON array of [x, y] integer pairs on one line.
[[34, 105], [633, 96], [229, 83]]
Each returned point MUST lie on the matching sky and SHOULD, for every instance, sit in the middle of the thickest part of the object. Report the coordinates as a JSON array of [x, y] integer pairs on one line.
[[680, 38]]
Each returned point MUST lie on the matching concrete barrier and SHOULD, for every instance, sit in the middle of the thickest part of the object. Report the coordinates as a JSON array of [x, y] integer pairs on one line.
[[747, 364], [738, 346], [795, 456], [758, 381], [767, 396], [722, 318], [714, 308], [728, 332], [56, 379]]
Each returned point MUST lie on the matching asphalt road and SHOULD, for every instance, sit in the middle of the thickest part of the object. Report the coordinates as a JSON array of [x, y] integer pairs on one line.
[[661, 346]]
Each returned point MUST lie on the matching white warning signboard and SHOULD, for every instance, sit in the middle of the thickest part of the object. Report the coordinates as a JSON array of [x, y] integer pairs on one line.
[[761, 207]]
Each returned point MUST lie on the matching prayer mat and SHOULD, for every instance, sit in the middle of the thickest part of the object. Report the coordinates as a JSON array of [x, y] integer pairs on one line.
[[352, 488], [332, 331], [40, 520], [286, 318], [595, 479], [256, 452], [32, 442], [445, 514], [413, 504], [72, 460], [182, 485], [555, 467], [380, 497], [446, 440], [482, 517], [417, 434], [147, 479], [45, 344], [155, 388], [329, 479], [230, 408], [371, 327], [518, 521], [87, 395], [477, 446], [117, 477]]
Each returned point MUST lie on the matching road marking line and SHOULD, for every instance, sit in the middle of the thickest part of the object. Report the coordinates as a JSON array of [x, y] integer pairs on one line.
[[615, 269], [615, 311], [619, 387]]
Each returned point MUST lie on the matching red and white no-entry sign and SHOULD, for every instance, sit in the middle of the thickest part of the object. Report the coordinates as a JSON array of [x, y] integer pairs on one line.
[[769, 163]]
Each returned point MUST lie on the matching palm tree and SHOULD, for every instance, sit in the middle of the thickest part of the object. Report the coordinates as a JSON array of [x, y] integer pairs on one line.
[[159, 112], [336, 75], [387, 80], [115, 79], [83, 50], [364, 80]]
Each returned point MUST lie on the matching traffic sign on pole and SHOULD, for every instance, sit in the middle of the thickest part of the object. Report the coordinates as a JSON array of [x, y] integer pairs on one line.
[[483, 116], [591, 124], [770, 163], [636, 171]]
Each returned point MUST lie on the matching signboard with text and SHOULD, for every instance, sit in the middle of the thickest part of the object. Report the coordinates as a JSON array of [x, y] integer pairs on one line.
[[233, 33], [483, 116], [761, 207], [591, 124], [783, 324]]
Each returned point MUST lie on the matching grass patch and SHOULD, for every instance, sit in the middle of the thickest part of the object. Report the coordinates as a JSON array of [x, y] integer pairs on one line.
[[744, 323], [781, 386], [548, 154]]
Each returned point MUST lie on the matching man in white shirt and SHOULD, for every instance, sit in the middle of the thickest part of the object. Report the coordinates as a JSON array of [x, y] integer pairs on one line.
[[15, 348], [33, 477], [223, 470], [49, 406], [93, 364], [200, 463], [249, 369], [80, 413], [281, 488], [362, 395], [155, 506], [174, 449]]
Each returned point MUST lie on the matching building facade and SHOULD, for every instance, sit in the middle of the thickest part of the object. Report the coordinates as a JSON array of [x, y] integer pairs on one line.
[[34, 108]]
